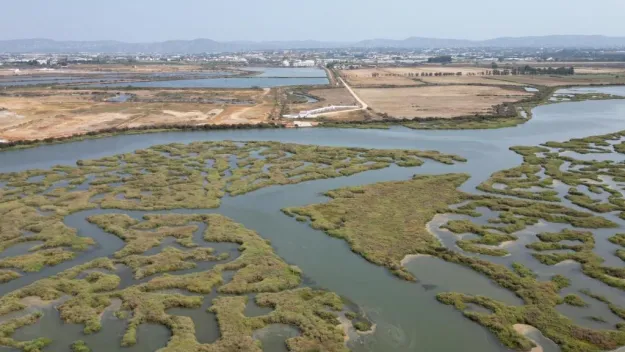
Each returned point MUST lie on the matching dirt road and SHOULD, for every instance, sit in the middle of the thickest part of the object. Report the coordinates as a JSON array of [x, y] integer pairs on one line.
[[363, 105]]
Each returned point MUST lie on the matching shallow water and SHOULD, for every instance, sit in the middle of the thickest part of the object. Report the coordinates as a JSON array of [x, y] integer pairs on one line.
[[288, 71], [99, 78], [614, 90], [274, 335], [407, 315], [120, 98], [268, 78], [234, 82]]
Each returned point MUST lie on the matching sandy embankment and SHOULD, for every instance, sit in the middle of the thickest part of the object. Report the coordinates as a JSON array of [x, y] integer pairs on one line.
[[505, 244], [525, 330], [566, 262], [410, 257], [433, 225], [115, 305], [347, 326], [351, 332]]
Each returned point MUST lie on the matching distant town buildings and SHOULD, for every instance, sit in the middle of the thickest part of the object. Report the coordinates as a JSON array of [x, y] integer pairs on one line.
[[304, 63], [340, 58]]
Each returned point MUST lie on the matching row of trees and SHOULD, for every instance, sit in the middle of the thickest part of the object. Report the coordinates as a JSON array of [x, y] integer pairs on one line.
[[514, 71], [529, 70], [445, 59]]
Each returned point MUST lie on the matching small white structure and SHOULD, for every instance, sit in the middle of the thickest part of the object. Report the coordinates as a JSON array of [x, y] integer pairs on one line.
[[286, 63], [302, 124], [309, 114]]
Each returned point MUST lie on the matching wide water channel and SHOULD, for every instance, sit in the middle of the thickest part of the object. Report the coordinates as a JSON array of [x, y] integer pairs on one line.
[[263, 77], [407, 315], [268, 77]]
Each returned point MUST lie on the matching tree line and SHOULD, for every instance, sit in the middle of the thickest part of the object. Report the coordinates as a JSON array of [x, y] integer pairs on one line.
[[496, 71]]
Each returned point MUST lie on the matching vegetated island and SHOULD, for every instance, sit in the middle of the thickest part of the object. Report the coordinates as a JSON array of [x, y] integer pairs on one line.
[[386, 222], [34, 204]]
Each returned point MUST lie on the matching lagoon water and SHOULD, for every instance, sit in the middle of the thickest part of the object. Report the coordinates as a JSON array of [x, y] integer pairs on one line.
[[234, 82], [96, 78], [407, 315], [268, 78]]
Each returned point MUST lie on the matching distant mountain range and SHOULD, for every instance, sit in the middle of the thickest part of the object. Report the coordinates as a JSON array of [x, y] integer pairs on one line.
[[211, 46]]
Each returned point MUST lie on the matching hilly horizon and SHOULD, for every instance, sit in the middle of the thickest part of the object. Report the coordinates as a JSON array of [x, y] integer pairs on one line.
[[203, 45]]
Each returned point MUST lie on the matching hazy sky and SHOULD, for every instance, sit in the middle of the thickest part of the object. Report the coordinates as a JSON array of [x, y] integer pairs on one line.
[[337, 20]]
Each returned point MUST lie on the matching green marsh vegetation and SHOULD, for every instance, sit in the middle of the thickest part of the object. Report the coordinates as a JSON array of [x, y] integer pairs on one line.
[[619, 239], [393, 226], [80, 346], [34, 203], [514, 215], [471, 123], [591, 182], [575, 300], [85, 293], [384, 222]]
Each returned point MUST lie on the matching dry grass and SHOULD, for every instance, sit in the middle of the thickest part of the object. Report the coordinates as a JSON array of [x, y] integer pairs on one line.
[[364, 78], [554, 81], [466, 80], [599, 70], [438, 101], [326, 97], [33, 113]]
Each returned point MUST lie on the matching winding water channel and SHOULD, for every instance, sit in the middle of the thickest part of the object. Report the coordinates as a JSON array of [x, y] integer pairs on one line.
[[407, 315]]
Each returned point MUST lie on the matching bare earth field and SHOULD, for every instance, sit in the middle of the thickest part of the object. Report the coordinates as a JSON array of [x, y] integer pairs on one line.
[[554, 81], [43, 113], [437, 101], [411, 76], [599, 70], [364, 78], [467, 80]]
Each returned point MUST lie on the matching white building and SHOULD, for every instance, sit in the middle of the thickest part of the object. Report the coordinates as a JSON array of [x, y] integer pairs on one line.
[[286, 63], [304, 63]]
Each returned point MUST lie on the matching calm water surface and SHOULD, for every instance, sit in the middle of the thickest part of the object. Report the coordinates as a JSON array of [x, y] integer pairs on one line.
[[268, 78], [407, 315], [99, 78]]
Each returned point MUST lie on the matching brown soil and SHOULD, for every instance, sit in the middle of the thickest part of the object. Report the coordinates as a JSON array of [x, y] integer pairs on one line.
[[437, 101], [364, 78], [554, 81], [43, 113]]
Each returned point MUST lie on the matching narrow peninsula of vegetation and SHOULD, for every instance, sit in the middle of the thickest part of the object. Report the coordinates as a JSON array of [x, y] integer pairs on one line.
[[390, 221]]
